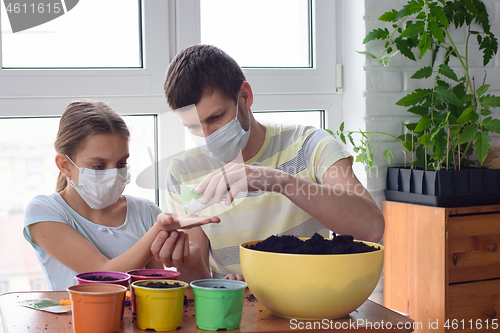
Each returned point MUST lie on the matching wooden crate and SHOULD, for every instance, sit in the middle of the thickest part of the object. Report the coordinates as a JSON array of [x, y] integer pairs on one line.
[[443, 265]]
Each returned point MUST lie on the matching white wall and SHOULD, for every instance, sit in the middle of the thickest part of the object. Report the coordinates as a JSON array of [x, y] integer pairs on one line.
[[354, 78]]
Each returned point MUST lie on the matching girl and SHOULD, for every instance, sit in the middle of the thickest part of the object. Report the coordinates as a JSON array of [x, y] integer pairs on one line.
[[87, 225]]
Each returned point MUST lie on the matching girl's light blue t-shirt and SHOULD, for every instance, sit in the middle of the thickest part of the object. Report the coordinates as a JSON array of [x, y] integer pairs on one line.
[[110, 241]]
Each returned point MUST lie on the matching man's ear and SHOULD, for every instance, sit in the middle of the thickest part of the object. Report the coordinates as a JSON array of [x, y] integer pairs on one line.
[[246, 94], [63, 164]]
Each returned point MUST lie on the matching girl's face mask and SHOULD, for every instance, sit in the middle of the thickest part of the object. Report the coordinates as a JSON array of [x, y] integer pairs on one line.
[[226, 143], [100, 188]]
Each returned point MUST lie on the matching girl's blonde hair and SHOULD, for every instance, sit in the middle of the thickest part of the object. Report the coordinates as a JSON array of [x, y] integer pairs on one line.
[[80, 120]]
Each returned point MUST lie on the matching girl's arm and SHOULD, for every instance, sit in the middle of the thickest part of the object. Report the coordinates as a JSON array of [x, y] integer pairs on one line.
[[67, 246]]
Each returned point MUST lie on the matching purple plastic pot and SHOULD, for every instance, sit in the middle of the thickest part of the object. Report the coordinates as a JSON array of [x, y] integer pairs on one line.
[[123, 278], [145, 274]]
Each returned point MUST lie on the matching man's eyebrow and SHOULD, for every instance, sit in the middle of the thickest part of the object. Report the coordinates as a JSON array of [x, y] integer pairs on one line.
[[217, 112], [213, 114]]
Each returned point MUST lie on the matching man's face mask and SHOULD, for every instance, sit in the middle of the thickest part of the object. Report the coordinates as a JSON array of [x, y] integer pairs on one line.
[[226, 143]]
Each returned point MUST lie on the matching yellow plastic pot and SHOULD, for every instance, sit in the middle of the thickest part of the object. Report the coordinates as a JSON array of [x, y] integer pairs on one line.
[[159, 309], [311, 286]]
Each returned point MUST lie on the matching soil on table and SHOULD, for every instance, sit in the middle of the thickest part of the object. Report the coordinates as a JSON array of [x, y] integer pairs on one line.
[[99, 278], [162, 285], [188, 301], [339, 244]]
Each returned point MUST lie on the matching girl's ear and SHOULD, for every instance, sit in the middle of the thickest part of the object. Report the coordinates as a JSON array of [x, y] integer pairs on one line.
[[63, 165]]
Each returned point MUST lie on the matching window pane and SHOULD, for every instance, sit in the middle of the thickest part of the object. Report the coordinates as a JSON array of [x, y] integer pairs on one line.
[[307, 118], [28, 169], [259, 33], [93, 34], [142, 153]]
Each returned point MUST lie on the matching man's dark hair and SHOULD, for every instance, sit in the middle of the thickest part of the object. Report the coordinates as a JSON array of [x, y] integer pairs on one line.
[[199, 70]]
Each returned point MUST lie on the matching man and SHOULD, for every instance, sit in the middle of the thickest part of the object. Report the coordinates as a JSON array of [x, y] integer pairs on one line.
[[260, 180]]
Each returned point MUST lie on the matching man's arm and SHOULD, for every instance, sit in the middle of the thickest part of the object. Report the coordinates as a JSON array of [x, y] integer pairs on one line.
[[341, 203]]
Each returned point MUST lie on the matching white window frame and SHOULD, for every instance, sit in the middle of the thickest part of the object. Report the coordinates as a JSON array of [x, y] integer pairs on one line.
[[283, 89], [46, 92], [130, 91]]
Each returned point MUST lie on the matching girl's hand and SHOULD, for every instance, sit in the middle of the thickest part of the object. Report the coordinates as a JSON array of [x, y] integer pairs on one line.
[[172, 221], [185, 250], [237, 277], [176, 250]]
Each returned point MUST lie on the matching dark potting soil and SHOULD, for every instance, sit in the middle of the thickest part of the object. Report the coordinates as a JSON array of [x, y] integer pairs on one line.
[[99, 278], [163, 285], [154, 275], [221, 287], [340, 244]]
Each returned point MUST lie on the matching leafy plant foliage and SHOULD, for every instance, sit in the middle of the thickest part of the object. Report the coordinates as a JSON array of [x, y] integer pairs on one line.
[[455, 118]]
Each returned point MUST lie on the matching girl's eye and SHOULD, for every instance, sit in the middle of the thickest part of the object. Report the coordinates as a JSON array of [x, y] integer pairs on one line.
[[97, 167], [122, 165]]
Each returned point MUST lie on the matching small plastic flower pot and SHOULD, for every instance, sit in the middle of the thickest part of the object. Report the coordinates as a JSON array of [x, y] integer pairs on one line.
[[121, 278], [149, 274], [159, 309], [96, 307], [218, 304]]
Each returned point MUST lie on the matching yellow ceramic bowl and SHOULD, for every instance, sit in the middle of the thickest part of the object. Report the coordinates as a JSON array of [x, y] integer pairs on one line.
[[311, 286]]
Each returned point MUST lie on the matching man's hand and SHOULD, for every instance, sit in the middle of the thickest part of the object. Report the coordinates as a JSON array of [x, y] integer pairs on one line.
[[238, 178]]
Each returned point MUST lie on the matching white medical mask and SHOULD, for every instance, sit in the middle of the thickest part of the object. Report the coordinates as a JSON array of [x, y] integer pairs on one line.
[[101, 188], [226, 143]]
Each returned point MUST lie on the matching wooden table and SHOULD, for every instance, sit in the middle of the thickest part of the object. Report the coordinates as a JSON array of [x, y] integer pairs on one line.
[[256, 318]]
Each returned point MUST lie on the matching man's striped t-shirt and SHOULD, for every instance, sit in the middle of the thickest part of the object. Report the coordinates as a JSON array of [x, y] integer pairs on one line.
[[301, 151]]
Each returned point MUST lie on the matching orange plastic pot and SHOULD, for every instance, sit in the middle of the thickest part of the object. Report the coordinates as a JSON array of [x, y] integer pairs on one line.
[[97, 307]]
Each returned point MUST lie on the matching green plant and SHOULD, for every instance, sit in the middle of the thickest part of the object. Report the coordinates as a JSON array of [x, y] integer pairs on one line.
[[455, 118]]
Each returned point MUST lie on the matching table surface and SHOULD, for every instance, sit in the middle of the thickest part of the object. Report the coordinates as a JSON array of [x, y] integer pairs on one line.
[[369, 317]]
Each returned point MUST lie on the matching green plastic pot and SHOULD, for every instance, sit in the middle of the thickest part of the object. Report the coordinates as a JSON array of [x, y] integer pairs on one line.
[[218, 308]]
